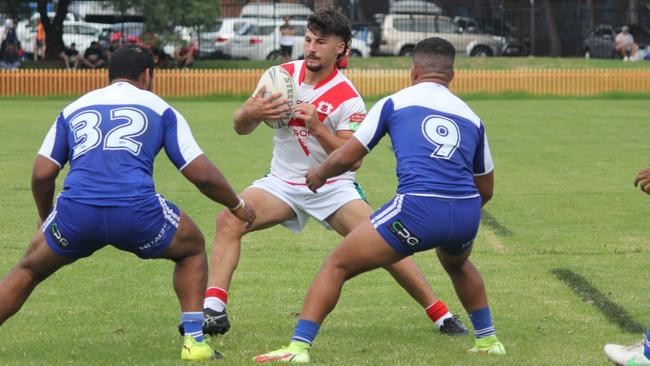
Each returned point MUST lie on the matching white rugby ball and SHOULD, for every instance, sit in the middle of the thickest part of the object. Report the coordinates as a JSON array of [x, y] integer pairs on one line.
[[278, 80]]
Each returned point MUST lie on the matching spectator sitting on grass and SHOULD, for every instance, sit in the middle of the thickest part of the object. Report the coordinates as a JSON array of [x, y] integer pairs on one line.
[[184, 56], [624, 43], [70, 56], [10, 51], [94, 56]]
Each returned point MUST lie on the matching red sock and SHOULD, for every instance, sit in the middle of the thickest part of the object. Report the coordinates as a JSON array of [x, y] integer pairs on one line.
[[216, 299], [217, 292], [437, 311]]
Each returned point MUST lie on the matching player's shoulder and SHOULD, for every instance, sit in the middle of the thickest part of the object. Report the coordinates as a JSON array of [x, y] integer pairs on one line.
[[292, 67], [434, 96], [120, 93]]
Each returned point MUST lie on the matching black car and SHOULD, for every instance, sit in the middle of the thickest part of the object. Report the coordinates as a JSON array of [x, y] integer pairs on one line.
[[600, 42]]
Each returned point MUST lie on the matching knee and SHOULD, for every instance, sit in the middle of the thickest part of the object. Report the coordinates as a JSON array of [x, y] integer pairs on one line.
[[337, 267], [229, 225], [31, 272]]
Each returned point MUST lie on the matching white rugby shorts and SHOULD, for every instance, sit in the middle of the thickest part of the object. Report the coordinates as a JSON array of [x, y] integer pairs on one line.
[[306, 203]]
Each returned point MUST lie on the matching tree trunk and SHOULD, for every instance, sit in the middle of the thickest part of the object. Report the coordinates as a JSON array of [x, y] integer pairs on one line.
[[633, 12], [53, 27], [590, 14], [553, 34]]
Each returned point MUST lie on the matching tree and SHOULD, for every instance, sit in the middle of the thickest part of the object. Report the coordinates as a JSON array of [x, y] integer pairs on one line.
[[164, 15], [553, 33], [53, 27], [15, 9], [633, 12]]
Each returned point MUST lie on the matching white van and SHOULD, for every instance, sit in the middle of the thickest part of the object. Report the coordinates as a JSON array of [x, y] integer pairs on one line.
[[273, 10]]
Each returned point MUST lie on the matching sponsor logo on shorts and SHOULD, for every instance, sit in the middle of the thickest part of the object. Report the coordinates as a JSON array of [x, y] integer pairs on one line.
[[58, 238], [155, 241], [403, 234]]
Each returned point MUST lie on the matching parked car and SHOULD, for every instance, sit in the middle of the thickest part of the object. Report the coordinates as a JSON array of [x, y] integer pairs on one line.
[[415, 7], [275, 10], [261, 40], [400, 33], [82, 34], [213, 41], [600, 42], [126, 32]]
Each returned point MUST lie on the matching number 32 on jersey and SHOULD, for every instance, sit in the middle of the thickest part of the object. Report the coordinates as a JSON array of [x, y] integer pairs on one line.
[[87, 135], [443, 133]]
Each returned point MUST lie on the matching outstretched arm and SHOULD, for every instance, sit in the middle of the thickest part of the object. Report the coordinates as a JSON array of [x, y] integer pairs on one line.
[[338, 162], [44, 176], [211, 182]]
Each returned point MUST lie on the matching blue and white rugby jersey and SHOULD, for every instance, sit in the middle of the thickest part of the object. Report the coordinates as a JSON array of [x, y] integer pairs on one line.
[[439, 143], [111, 137]]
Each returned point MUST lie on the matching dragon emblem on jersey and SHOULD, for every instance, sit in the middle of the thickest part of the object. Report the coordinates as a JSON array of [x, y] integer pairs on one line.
[[324, 107]]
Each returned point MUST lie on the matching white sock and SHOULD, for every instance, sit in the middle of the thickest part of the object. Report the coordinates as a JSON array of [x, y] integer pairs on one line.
[[441, 321], [214, 303]]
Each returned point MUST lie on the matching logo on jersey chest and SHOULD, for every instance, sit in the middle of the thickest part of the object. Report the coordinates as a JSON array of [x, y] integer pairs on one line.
[[324, 107]]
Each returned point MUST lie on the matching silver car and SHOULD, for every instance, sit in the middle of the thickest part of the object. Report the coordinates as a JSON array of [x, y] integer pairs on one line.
[[213, 42], [400, 33], [261, 41]]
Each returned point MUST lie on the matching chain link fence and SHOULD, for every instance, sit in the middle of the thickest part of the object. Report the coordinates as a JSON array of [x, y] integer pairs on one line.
[[252, 29]]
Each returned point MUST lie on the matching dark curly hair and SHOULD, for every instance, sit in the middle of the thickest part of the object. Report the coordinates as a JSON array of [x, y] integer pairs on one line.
[[330, 21]]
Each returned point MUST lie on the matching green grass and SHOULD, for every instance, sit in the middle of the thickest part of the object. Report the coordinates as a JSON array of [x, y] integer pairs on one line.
[[462, 63], [564, 171]]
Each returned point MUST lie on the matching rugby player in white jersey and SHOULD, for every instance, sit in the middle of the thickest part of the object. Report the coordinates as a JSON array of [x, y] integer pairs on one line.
[[328, 111], [445, 174]]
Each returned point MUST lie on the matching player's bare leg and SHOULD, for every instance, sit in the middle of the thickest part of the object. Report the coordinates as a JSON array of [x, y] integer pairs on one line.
[[470, 289], [360, 251], [38, 263], [187, 250], [467, 280], [270, 211], [405, 272]]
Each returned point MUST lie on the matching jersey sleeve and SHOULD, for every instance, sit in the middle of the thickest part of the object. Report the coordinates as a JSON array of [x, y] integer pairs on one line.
[[180, 146], [483, 163], [55, 146], [375, 125], [350, 115]]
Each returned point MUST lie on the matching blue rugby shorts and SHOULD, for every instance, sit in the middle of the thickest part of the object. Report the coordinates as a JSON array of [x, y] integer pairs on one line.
[[145, 228], [411, 223]]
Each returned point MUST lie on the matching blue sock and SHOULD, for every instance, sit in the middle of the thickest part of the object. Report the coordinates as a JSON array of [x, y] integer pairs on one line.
[[482, 322], [306, 331], [646, 345], [193, 324]]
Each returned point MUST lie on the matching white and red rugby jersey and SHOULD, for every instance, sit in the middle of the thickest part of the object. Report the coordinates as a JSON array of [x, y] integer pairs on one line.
[[339, 107]]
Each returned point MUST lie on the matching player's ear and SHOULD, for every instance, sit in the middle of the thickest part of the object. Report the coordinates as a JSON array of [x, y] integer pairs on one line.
[[451, 76], [149, 78], [414, 72]]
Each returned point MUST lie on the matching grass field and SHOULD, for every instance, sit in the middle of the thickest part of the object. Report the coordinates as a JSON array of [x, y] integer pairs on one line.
[[461, 63], [563, 251], [383, 62]]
